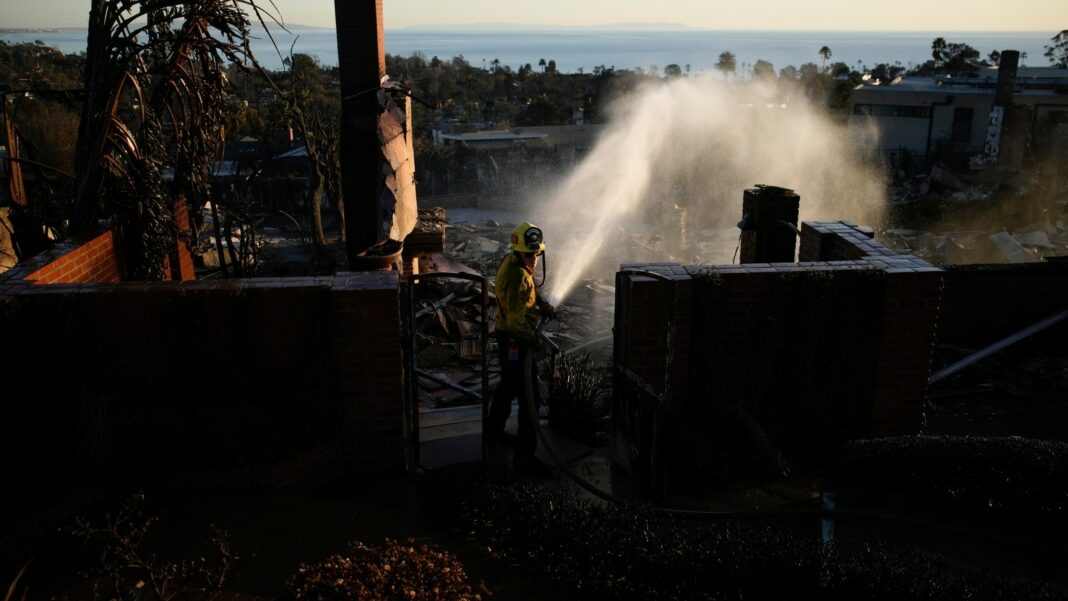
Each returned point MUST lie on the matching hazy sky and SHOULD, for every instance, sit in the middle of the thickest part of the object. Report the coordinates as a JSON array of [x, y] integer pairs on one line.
[[977, 15]]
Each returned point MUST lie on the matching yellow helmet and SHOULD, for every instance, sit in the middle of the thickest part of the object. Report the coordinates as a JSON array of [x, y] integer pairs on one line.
[[527, 238]]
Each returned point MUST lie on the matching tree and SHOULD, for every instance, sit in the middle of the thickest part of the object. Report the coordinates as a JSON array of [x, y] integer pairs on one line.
[[1057, 52], [170, 59], [303, 84], [994, 57], [541, 63], [551, 66], [825, 54], [938, 50], [960, 58], [726, 64], [672, 71], [762, 69], [886, 73]]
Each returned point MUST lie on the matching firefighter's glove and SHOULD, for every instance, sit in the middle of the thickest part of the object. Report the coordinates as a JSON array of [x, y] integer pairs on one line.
[[547, 309]]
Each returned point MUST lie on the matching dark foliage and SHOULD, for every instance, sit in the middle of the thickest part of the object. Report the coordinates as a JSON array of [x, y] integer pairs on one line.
[[637, 552], [390, 572], [580, 403], [130, 568], [1015, 478], [1057, 50]]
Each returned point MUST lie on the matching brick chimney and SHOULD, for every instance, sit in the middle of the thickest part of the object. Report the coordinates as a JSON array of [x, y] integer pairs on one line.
[[769, 225], [362, 64], [1008, 65]]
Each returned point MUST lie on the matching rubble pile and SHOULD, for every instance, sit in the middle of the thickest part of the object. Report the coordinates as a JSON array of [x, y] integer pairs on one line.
[[987, 216], [479, 245], [448, 326], [1029, 243]]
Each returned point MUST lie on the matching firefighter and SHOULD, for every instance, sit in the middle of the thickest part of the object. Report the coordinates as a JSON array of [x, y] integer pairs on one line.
[[519, 308]]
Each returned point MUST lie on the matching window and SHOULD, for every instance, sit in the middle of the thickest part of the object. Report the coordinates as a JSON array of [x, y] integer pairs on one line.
[[892, 110]]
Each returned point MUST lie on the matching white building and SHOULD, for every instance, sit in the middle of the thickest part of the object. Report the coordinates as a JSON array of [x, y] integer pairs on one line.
[[920, 115]]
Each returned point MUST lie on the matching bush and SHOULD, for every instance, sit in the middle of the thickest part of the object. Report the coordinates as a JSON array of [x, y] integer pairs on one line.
[[638, 552], [996, 477], [580, 403], [389, 572]]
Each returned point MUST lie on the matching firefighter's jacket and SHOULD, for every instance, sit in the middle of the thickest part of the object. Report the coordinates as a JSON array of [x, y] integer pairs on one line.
[[517, 300]]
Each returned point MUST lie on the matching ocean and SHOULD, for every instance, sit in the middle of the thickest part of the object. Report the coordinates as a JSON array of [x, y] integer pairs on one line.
[[575, 49]]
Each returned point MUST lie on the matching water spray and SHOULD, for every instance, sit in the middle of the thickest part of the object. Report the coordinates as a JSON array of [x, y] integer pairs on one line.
[[699, 142]]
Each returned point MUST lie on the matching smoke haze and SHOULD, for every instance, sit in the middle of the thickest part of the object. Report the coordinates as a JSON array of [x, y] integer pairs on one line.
[[696, 144]]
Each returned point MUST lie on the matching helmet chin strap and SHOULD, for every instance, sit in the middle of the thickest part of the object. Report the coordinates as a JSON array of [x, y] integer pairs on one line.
[[544, 264]]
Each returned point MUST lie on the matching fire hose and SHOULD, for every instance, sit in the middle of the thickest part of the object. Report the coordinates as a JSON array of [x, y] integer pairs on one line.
[[823, 512]]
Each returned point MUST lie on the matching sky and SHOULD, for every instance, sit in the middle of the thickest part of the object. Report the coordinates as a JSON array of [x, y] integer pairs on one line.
[[819, 15]]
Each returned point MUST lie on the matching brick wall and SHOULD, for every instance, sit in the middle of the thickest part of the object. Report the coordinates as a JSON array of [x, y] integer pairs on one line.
[[97, 258], [829, 349], [178, 265], [88, 260], [643, 309], [225, 378]]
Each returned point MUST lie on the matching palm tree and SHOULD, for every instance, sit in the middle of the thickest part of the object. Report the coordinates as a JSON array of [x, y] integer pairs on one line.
[[938, 50], [541, 64], [170, 57], [825, 54], [726, 64]]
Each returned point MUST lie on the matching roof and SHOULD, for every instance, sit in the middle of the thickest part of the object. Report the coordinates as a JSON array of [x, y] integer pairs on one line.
[[579, 136], [226, 169], [293, 153], [495, 136], [981, 85], [1028, 72]]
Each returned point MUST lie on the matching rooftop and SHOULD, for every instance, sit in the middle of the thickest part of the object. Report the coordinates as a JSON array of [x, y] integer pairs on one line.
[[1029, 81], [495, 136]]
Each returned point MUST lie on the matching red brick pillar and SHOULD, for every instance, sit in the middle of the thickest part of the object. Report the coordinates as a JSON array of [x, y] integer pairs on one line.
[[178, 264]]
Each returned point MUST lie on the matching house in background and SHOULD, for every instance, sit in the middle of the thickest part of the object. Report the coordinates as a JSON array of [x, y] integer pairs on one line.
[[513, 162], [913, 119]]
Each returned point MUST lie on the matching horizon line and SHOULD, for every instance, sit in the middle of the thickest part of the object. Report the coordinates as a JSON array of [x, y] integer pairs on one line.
[[650, 26]]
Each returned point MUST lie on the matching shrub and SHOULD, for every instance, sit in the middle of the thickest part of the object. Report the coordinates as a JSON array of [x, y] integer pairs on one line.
[[580, 401], [638, 552], [1006, 477], [389, 572]]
